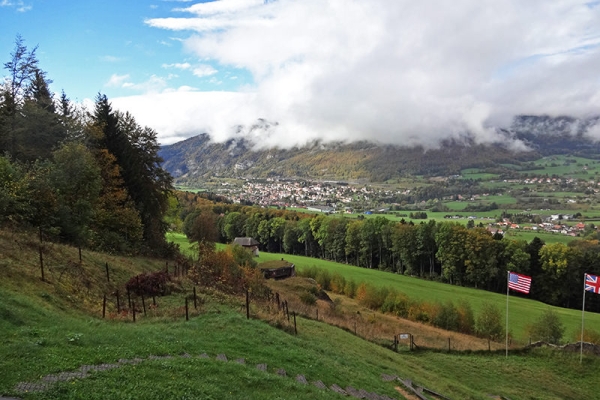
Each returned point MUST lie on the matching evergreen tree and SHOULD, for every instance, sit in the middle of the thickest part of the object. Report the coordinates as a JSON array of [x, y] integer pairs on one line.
[[136, 152]]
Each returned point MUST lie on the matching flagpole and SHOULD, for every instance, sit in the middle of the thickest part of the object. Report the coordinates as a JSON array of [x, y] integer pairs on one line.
[[582, 319], [506, 333]]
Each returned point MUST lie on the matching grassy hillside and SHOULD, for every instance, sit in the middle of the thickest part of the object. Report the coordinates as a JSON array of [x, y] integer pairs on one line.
[[522, 311], [56, 326]]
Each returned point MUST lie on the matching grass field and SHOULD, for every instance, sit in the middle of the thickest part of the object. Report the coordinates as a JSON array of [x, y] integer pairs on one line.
[[522, 311], [47, 329]]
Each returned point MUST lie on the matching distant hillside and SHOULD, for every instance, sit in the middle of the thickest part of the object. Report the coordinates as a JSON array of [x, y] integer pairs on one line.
[[197, 158]]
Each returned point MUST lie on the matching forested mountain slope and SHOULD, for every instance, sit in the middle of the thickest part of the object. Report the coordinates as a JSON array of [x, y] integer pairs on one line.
[[198, 157]]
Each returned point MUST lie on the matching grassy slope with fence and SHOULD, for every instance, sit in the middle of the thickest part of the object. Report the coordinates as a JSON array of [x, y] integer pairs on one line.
[[522, 311], [56, 326]]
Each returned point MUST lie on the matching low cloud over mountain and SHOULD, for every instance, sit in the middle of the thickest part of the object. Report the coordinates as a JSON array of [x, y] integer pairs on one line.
[[399, 72]]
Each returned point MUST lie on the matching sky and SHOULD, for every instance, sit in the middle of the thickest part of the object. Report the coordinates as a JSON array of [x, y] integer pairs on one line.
[[286, 72]]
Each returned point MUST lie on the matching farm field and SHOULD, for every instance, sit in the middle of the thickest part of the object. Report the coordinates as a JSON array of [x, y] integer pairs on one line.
[[45, 332], [475, 173], [547, 237], [568, 166]]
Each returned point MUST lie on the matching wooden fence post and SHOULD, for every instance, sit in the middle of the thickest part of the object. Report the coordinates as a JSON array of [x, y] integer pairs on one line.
[[396, 343], [104, 306], [247, 305], [187, 316], [107, 274], [317, 314], [287, 310], [195, 302], [42, 264], [295, 330], [133, 304], [118, 303], [144, 305]]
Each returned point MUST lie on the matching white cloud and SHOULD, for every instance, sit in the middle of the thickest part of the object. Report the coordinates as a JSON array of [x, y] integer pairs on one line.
[[204, 70], [117, 80], [393, 71], [154, 84], [178, 65], [178, 114], [18, 5], [222, 7]]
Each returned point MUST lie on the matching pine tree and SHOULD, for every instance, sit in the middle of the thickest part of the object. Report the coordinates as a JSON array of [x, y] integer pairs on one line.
[[136, 152]]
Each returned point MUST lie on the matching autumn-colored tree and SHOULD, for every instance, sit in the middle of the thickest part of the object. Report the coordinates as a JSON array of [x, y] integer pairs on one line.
[[118, 226]]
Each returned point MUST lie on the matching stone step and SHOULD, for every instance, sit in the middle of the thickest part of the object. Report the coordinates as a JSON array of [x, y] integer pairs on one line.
[[261, 367], [338, 389], [320, 385]]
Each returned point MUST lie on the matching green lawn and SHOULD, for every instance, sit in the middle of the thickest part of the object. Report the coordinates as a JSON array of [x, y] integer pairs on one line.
[[36, 343], [522, 311], [46, 330]]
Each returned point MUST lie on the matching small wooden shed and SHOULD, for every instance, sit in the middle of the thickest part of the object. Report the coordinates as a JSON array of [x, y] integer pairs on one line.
[[248, 243]]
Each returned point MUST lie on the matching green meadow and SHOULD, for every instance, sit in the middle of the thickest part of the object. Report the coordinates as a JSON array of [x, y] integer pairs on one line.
[[56, 326], [522, 311]]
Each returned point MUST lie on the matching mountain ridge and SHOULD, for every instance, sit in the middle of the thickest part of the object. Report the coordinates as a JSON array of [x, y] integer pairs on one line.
[[198, 158]]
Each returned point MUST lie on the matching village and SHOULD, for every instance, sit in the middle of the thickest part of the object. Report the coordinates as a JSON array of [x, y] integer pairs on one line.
[[341, 197]]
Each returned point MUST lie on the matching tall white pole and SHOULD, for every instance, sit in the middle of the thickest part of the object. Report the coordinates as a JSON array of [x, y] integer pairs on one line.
[[506, 333], [582, 319]]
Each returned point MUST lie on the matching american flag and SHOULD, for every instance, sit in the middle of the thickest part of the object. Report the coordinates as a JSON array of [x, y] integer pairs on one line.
[[518, 282], [592, 283]]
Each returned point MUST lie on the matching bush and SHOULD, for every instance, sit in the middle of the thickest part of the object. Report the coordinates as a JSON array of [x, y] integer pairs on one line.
[[361, 292], [350, 288], [447, 317], [589, 335], [466, 319], [489, 322], [309, 272], [338, 283], [419, 312], [154, 284], [547, 328], [397, 304], [323, 278], [243, 257], [308, 298], [370, 296]]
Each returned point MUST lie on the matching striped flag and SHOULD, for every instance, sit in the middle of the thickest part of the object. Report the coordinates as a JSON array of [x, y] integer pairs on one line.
[[518, 282], [592, 283]]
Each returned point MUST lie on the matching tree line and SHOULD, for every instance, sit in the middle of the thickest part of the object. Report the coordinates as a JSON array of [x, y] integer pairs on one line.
[[445, 251], [89, 178]]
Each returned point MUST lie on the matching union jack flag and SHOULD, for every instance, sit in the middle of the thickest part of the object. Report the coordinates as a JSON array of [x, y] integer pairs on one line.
[[592, 283]]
